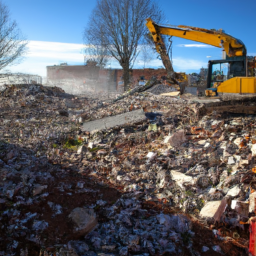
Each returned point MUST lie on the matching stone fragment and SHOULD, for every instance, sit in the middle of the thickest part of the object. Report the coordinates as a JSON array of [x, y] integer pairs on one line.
[[181, 178], [242, 208], [205, 249], [244, 162], [201, 142], [151, 155], [39, 225], [123, 251], [231, 160], [237, 141], [79, 247], [253, 149], [38, 189], [10, 193], [179, 223], [85, 220], [217, 248], [203, 181], [81, 149], [234, 192], [177, 139], [213, 209], [252, 200]]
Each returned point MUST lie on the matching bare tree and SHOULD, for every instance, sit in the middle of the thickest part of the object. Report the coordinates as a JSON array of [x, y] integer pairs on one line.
[[96, 50], [97, 54], [147, 53], [121, 26], [12, 43]]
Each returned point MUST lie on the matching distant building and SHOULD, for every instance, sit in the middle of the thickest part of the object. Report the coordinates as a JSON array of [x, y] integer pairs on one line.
[[203, 73]]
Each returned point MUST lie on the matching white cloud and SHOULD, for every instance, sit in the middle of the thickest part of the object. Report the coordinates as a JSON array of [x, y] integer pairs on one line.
[[196, 45], [208, 56], [182, 64], [41, 54], [179, 64]]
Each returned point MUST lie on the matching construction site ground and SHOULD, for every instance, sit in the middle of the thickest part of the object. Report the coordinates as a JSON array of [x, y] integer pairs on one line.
[[135, 189]]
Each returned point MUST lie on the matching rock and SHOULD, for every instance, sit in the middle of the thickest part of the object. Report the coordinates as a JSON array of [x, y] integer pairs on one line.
[[205, 249], [10, 193], [133, 239], [252, 199], [181, 178], [253, 149], [85, 220], [123, 251], [79, 247], [166, 139], [237, 141], [234, 192], [203, 181], [201, 142], [81, 149], [242, 208], [179, 223], [213, 209], [177, 139], [164, 219], [217, 248], [39, 225], [231, 160], [151, 155], [38, 189]]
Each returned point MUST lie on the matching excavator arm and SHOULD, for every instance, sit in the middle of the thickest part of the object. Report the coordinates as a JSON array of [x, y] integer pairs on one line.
[[232, 46]]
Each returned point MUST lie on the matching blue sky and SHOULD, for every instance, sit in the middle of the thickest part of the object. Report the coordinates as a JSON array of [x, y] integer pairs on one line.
[[54, 29]]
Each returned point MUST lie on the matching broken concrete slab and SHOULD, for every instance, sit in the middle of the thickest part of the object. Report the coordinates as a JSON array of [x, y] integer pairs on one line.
[[210, 208], [214, 209], [112, 121]]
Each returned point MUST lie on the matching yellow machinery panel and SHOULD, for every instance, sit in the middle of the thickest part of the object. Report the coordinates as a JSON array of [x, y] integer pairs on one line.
[[238, 85]]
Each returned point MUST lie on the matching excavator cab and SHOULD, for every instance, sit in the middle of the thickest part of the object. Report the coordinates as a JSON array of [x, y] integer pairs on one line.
[[220, 73]]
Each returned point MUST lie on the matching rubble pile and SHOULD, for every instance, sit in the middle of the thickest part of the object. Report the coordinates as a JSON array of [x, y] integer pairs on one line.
[[174, 183]]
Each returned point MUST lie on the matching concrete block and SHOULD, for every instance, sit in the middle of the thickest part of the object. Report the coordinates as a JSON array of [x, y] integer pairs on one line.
[[214, 209], [112, 121], [210, 209]]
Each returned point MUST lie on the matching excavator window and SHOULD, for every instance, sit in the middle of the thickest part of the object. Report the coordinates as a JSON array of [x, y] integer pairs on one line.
[[219, 74]]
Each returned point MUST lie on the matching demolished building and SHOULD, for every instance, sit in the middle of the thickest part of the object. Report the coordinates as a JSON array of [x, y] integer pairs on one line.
[[73, 78]]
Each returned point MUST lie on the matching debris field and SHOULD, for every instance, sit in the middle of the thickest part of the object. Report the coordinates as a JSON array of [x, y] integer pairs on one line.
[[179, 181]]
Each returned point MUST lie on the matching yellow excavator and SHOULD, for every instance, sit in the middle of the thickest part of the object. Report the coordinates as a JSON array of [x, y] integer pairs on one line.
[[234, 74]]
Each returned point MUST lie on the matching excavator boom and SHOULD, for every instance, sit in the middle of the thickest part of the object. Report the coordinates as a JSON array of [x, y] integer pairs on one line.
[[232, 46]]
